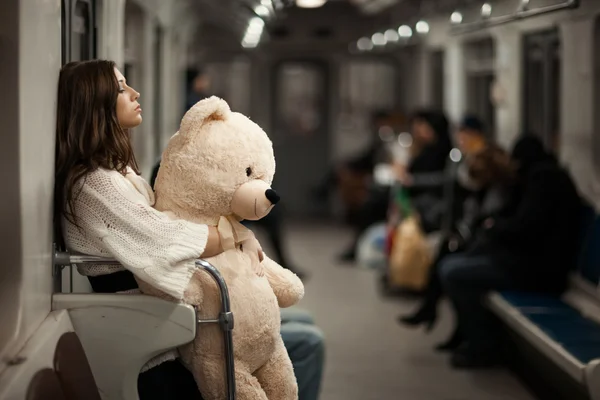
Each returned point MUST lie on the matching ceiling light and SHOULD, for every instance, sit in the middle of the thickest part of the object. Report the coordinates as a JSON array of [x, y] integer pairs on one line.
[[378, 39], [310, 3], [486, 10], [364, 44], [524, 5], [391, 35], [422, 27], [405, 31], [456, 17], [262, 11]]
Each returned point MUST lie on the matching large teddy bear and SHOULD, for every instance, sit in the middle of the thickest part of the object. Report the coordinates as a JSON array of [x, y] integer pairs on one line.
[[217, 170]]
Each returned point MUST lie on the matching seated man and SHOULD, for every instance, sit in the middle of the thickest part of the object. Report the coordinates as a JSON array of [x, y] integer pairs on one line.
[[532, 249], [306, 347]]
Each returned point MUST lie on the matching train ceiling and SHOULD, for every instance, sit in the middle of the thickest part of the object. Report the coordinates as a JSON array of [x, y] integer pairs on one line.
[[225, 22]]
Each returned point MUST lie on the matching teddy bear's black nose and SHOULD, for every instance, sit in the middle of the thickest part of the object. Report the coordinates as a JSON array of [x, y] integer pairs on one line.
[[272, 196]]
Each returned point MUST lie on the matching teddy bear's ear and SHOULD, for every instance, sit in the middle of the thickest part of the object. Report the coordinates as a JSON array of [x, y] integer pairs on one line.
[[207, 110]]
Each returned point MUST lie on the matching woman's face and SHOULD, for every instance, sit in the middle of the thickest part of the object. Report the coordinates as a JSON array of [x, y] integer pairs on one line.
[[129, 111], [422, 132]]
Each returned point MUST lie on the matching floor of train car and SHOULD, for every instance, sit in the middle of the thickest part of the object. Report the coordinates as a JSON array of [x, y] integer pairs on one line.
[[369, 356]]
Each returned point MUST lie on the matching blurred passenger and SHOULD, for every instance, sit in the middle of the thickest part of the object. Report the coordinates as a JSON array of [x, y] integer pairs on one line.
[[492, 173], [352, 177], [463, 198], [532, 249], [424, 175], [198, 87]]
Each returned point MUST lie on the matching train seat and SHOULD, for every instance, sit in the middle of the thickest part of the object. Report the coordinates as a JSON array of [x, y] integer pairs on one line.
[[567, 329], [51, 366], [122, 332]]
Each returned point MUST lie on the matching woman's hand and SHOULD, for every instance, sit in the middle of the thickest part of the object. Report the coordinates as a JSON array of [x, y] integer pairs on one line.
[[213, 243]]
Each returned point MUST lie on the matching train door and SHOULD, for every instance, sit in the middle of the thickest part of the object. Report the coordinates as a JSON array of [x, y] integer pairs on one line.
[[300, 133], [541, 86], [480, 73]]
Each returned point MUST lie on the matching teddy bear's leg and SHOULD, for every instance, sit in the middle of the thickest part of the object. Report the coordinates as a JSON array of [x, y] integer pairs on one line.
[[213, 385], [277, 376]]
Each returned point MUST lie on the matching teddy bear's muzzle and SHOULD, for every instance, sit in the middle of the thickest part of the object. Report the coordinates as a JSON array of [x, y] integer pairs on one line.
[[272, 196], [254, 200]]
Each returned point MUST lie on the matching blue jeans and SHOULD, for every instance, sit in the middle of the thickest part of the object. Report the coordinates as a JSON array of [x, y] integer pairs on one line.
[[306, 348], [466, 280]]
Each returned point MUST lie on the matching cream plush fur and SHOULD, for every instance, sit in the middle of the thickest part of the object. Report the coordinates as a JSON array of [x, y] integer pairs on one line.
[[217, 170]]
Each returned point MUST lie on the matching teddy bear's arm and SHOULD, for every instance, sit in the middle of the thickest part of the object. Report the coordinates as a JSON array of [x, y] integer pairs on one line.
[[288, 288]]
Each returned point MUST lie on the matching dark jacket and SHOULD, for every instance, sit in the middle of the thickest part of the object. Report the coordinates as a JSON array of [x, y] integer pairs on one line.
[[538, 242]]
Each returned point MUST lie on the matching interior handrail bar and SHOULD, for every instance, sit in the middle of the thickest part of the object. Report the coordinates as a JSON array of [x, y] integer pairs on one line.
[[522, 12], [225, 319]]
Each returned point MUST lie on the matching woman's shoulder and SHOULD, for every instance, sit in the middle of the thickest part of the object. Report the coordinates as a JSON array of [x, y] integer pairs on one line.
[[105, 180]]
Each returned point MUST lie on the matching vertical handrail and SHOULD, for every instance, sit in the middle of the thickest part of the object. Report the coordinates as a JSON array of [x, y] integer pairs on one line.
[[225, 318], [226, 322]]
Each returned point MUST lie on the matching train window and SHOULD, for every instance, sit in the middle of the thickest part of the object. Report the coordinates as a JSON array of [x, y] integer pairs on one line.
[[78, 30], [364, 88], [480, 73], [541, 86]]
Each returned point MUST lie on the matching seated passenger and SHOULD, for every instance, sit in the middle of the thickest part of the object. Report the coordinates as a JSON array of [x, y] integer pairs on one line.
[[424, 176], [463, 199], [103, 207], [532, 249]]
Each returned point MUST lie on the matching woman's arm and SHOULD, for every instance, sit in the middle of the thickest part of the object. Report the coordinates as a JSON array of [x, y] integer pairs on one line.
[[116, 218]]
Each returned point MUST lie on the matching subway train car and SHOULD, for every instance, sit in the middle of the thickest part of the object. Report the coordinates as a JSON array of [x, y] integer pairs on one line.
[[317, 76]]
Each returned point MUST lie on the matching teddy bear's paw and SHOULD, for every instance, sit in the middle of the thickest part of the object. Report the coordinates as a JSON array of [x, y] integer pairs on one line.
[[258, 268]]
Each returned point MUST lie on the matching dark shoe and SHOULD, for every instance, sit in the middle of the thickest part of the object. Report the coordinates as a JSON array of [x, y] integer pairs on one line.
[[424, 315], [471, 359], [453, 343]]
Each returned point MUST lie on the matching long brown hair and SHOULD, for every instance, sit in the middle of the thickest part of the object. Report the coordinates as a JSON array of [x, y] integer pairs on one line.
[[88, 134]]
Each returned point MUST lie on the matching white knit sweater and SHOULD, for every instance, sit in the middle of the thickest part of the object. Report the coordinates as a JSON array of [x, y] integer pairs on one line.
[[116, 219]]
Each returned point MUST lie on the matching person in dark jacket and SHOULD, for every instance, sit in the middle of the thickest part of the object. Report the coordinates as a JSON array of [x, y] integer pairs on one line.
[[462, 201], [493, 174], [532, 249], [424, 175]]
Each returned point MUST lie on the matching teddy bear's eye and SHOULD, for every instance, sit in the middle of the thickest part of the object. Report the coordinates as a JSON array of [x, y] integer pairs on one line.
[[248, 171]]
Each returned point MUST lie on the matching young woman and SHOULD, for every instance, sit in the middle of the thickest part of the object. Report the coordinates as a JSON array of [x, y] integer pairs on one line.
[[103, 207]]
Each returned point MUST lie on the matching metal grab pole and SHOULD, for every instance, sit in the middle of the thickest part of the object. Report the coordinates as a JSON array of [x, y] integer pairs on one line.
[[226, 322], [225, 319]]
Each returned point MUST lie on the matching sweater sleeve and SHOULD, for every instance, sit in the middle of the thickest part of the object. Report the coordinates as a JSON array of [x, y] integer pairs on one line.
[[120, 221]]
